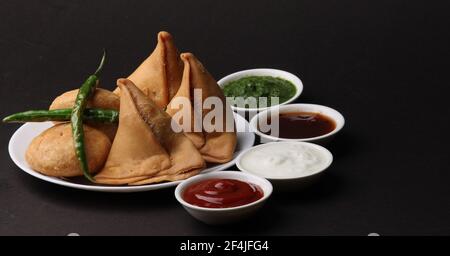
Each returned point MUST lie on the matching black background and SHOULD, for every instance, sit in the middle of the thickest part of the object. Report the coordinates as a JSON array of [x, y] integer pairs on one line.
[[383, 64]]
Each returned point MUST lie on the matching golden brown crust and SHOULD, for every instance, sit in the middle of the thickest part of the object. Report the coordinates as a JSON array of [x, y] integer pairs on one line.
[[146, 149], [52, 152], [159, 76], [102, 98], [168, 177], [215, 147], [135, 151]]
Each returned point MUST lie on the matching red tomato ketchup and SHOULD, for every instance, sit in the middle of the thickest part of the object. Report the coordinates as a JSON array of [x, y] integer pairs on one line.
[[222, 193]]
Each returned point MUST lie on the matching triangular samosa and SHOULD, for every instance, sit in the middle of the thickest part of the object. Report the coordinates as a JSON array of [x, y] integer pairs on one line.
[[215, 146], [146, 149], [159, 76]]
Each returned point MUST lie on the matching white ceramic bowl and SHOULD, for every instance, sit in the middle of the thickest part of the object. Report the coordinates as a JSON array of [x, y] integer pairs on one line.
[[327, 111], [224, 215], [301, 180], [263, 72]]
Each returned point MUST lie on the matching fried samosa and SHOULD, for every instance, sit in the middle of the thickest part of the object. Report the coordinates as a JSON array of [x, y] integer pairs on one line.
[[146, 149], [102, 98], [52, 152], [159, 76], [216, 145]]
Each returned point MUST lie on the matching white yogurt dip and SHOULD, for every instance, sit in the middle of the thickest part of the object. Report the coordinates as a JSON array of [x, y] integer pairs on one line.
[[285, 160]]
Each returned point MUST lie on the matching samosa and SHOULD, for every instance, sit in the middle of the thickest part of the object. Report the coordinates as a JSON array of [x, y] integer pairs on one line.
[[159, 76], [146, 149], [102, 98], [215, 145], [52, 152]]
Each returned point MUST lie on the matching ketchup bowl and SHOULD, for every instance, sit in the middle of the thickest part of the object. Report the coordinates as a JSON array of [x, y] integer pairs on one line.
[[223, 197]]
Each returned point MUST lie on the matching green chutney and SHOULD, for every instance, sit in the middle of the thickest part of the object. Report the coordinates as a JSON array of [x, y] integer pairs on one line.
[[260, 86]]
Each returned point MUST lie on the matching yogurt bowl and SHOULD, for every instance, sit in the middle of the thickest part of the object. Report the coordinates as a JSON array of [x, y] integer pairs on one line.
[[286, 164], [263, 72], [217, 216]]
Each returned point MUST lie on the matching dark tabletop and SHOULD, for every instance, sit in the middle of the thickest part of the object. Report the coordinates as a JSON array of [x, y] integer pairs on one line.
[[383, 64]]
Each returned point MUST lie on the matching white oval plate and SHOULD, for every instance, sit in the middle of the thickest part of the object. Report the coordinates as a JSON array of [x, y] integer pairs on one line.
[[20, 140]]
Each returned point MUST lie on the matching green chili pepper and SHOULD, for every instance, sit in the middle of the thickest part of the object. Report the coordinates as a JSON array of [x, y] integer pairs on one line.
[[95, 115], [84, 93]]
